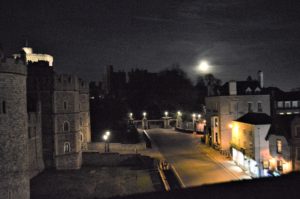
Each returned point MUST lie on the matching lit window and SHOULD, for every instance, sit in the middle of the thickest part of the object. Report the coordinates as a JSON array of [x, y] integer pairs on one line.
[[266, 164], [66, 126], [250, 107], [294, 104], [280, 104], [259, 107], [67, 147], [279, 146], [287, 104]]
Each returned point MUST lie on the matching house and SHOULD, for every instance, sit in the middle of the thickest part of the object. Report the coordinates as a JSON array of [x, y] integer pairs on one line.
[[284, 139], [250, 149], [233, 100]]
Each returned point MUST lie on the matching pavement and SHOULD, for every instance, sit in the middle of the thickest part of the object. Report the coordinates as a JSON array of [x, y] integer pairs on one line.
[[195, 163]]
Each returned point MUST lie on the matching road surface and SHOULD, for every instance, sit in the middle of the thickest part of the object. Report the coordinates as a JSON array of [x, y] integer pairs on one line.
[[195, 163]]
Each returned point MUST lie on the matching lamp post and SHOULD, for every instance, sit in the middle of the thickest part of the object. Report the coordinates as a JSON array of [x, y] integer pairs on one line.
[[106, 141], [179, 120], [194, 120], [144, 121], [130, 115]]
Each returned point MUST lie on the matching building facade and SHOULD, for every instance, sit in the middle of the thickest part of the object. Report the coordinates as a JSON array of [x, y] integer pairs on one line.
[[250, 149], [233, 101]]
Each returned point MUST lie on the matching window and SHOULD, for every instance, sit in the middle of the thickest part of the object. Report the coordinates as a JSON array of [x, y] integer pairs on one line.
[[297, 132], [259, 107], [66, 126], [81, 123], [298, 153], [249, 106], [67, 147], [65, 105], [29, 132], [279, 104], [279, 165], [216, 122], [216, 135], [265, 164], [294, 104], [287, 104], [279, 146], [81, 137], [3, 107]]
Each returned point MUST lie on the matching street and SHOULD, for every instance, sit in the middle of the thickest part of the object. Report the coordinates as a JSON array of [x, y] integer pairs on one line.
[[195, 163]]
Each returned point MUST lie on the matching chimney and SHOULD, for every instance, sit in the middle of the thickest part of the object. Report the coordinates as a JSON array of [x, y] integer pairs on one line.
[[260, 75], [232, 88]]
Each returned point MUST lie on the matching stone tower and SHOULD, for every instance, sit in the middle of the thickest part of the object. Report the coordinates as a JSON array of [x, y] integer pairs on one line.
[[84, 106], [14, 178], [66, 117]]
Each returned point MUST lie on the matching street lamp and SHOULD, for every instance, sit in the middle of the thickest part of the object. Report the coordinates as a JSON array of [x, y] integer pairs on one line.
[[166, 113], [179, 113], [199, 116], [106, 141]]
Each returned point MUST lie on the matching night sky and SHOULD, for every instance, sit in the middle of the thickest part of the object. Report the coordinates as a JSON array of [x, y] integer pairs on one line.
[[236, 37]]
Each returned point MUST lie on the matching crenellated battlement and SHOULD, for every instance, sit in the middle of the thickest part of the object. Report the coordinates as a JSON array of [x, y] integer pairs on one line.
[[83, 86], [10, 65], [65, 82]]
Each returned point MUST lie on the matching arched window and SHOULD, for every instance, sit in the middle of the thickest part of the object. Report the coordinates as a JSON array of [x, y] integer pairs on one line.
[[67, 147], [66, 126], [3, 107]]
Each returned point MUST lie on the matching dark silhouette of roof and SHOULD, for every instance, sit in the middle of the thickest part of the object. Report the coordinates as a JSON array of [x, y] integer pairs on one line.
[[255, 118], [281, 125], [242, 86], [284, 96]]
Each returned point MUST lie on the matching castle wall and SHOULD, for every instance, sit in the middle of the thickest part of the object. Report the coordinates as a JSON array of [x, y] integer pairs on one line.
[[14, 180], [35, 148]]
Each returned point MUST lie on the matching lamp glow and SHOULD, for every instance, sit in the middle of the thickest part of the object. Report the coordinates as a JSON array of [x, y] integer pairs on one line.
[[166, 113]]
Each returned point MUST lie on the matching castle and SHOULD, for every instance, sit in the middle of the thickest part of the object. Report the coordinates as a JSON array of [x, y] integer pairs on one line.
[[44, 122]]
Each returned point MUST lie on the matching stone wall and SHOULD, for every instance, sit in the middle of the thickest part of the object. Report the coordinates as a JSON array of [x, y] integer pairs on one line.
[[14, 179], [118, 147], [110, 159], [35, 148]]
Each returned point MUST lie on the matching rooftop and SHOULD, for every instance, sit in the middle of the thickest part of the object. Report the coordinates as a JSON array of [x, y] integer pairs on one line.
[[255, 118]]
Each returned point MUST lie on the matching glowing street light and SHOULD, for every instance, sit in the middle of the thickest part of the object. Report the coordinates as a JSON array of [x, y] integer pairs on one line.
[[166, 113], [179, 113], [199, 116], [144, 114], [105, 137]]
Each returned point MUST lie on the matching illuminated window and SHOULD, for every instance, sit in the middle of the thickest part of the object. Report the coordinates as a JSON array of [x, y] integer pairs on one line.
[[280, 104], [250, 107], [266, 164], [259, 107], [65, 105], [67, 147], [294, 104], [287, 104], [279, 146], [66, 126]]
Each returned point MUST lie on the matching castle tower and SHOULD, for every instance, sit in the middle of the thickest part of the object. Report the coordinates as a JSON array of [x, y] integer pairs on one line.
[[85, 127], [66, 117], [14, 178]]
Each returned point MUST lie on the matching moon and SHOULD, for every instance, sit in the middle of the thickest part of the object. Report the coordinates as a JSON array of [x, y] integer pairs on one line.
[[203, 66]]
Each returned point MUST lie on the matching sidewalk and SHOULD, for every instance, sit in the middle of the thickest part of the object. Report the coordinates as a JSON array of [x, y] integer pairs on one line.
[[227, 163]]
